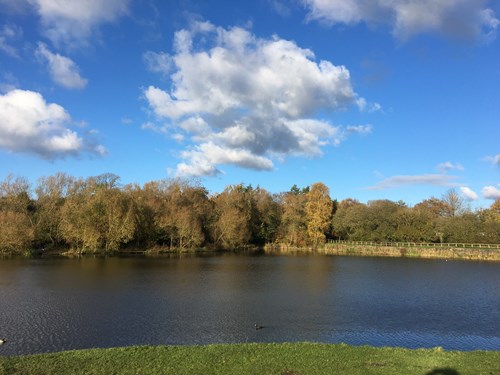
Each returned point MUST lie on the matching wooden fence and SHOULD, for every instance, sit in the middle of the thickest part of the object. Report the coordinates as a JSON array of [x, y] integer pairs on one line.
[[419, 244]]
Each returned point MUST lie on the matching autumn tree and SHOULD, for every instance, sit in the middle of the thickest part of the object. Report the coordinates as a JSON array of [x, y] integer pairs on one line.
[[293, 228], [318, 209], [433, 207], [188, 209], [265, 216], [145, 201], [455, 205], [495, 206], [233, 216], [16, 215], [493, 213], [489, 231], [51, 194], [98, 215]]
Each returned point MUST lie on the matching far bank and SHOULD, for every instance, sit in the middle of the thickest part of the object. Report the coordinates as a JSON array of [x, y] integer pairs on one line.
[[477, 252], [474, 252]]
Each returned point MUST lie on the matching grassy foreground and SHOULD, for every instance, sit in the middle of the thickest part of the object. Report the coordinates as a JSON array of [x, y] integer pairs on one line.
[[283, 359]]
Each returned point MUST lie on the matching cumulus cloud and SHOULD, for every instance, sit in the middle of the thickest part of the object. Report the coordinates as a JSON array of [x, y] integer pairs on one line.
[[70, 22], [405, 180], [468, 193], [205, 158], [491, 192], [244, 100], [29, 124], [449, 166], [463, 19], [63, 70]]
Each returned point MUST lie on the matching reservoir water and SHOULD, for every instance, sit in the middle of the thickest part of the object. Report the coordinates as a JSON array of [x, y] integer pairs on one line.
[[60, 304]]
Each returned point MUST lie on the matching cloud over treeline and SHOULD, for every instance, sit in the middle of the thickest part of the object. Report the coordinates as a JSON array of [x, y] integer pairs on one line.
[[245, 100], [407, 180]]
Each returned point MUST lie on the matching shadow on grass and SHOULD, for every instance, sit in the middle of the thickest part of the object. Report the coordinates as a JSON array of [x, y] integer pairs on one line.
[[443, 371]]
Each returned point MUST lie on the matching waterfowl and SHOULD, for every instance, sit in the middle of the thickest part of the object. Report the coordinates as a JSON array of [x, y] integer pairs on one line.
[[258, 326], [2, 341]]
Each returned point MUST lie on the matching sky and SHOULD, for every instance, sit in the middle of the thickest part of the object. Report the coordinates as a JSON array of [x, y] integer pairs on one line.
[[394, 100]]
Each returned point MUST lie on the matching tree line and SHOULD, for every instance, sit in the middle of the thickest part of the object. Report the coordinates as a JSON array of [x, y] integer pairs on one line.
[[100, 214]]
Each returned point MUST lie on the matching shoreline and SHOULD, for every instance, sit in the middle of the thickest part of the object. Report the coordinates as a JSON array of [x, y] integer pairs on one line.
[[255, 358], [443, 251], [447, 252]]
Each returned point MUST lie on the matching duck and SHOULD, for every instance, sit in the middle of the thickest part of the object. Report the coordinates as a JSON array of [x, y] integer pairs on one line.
[[2, 341], [258, 326]]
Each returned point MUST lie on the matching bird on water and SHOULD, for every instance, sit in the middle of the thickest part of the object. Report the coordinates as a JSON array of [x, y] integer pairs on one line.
[[2, 341], [258, 326]]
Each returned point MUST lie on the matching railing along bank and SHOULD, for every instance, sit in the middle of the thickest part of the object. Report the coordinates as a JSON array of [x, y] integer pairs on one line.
[[418, 244]]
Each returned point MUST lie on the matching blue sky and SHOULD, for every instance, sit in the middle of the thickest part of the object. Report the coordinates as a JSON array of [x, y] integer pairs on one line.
[[391, 100]]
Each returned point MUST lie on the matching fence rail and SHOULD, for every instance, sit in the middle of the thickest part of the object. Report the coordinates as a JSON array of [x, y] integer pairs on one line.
[[419, 244]]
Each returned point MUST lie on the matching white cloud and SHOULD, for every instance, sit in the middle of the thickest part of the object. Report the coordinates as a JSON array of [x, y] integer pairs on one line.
[[493, 159], [205, 157], [464, 19], [72, 22], [359, 129], [14, 6], [29, 124], [491, 192], [468, 193], [405, 180], [364, 106], [155, 128], [63, 70], [8, 82], [280, 7], [127, 121], [178, 137], [448, 166], [8, 34], [197, 126], [158, 62], [248, 98]]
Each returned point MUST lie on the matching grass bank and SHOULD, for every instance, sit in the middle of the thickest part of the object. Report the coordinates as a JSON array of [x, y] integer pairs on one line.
[[414, 252], [441, 252], [283, 359]]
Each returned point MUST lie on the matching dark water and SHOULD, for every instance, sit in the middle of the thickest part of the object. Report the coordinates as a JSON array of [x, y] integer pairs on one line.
[[59, 304]]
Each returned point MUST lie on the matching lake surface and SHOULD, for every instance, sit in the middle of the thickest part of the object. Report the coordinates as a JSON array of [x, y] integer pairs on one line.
[[60, 304]]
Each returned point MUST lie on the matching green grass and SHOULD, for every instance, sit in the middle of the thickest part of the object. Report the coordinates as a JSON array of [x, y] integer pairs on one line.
[[283, 359]]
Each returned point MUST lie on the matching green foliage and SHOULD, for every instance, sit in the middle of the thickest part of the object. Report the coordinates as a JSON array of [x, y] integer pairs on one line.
[[285, 358]]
